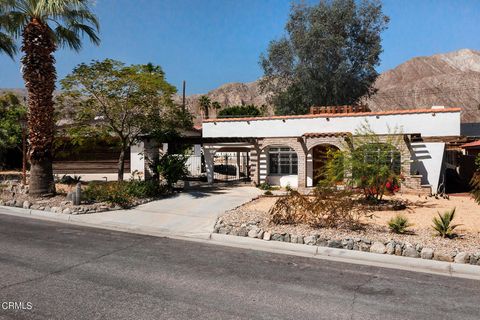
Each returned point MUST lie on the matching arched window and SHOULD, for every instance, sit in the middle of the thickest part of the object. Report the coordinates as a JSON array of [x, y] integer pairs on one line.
[[282, 161]]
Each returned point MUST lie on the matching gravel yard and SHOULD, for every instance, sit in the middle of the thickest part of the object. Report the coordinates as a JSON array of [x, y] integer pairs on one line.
[[420, 212]]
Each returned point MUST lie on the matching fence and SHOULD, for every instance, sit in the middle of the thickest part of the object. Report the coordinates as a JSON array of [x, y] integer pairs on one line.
[[226, 167]]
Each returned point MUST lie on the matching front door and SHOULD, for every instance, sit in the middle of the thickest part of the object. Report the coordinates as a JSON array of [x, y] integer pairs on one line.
[[320, 158]]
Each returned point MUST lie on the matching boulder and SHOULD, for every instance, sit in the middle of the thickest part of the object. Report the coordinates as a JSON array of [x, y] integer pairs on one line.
[[426, 253], [398, 249], [443, 257], [26, 204], [310, 240], [322, 242], [378, 247], [410, 251], [296, 239], [347, 244], [277, 237], [462, 257], [334, 244], [67, 211], [391, 247], [267, 236], [242, 232]]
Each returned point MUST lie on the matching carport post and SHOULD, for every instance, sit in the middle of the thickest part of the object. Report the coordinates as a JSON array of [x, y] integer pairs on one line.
[[237, 173], [208, 154]]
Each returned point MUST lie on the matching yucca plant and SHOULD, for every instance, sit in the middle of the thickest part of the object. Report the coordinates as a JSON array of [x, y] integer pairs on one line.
[[443, 224], [399, 224]]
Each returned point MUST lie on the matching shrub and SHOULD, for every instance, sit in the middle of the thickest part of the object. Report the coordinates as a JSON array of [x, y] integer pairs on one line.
[[172, 167], [122, 193], [288, 188], [327, 207], [239, 111], [399, 224], [264, 186], [66, 179], [443, 224], [268, 193]]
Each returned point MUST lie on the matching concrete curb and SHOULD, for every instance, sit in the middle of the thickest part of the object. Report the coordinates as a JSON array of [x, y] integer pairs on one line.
[[325, 253]]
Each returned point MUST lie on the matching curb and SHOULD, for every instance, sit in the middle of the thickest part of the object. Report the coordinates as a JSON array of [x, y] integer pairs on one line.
[[325, 253]]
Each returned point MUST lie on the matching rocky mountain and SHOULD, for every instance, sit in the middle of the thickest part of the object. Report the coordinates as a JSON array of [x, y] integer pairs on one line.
[[450, 80]]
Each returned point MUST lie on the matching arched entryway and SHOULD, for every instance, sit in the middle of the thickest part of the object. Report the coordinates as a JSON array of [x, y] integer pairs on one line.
[[320, 154]]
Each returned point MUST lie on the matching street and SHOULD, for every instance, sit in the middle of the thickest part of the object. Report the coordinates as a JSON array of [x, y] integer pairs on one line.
[[73, 272]]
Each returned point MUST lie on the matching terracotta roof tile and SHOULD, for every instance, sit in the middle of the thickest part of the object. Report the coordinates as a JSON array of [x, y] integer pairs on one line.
[[326, 134], [337, 115], [473, 144]]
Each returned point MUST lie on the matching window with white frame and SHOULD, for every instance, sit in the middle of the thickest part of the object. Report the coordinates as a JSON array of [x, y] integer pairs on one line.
[[282, 161]]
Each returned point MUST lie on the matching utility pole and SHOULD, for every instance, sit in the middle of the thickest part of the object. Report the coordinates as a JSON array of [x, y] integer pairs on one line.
[[183, 97]]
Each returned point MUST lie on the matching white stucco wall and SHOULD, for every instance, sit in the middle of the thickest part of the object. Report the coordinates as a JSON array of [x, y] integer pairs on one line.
[[428, 161], [428, 124], [137, 161], [283, 181]]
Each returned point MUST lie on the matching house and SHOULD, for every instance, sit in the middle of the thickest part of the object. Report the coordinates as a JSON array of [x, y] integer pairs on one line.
[[291, 150]]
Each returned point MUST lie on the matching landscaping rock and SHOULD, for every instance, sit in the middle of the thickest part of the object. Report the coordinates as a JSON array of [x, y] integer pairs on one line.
[[242, 232], [391, 247], [286, 237], [347, 244], [378, 247], [475, 258], [267, 236], [462, 257], [426, 253], [443, 257], [26, 205], [67, 211], [56, 209], [296, 239], [364, 247], [334, 244], [322, 242], [310, 240], [18, 204], [277, 237], [223, 230], [255, 233], [410, 251], [2, 203]]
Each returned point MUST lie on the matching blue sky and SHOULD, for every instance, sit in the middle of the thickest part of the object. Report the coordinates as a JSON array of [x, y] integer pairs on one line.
[[211, 42]]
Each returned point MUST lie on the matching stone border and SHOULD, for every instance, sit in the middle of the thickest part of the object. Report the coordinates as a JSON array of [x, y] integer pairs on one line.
[[391, 247]]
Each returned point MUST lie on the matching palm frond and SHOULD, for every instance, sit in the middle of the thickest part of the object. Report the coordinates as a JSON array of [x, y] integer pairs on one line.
[[7, 45]]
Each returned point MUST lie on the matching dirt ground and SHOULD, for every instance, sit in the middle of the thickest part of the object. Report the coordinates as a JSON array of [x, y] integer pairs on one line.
[[420, 212]]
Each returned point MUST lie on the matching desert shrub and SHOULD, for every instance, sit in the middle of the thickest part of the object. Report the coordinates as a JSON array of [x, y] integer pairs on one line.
[[327, 207], [172, 167], [288, 188], [373, 163], [66, 179], [268, 193], [443, 224], [399, 224], [121, 193], [264, 186]]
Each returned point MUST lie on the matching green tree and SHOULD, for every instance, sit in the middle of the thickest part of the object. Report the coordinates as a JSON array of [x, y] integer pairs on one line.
[[12, 113], [369, 162], [238, 111], [43, 26], [113, 99], [328, 56]]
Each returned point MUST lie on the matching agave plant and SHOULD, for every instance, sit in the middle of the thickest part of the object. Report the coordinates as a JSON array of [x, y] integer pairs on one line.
[[399, 224], [443, 224]]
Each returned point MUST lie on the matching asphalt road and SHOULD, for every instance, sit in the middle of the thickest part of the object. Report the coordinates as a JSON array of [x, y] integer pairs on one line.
[[71, 272]]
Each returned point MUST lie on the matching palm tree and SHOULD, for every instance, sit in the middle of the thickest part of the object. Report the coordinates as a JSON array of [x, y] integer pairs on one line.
[[205, 103], [43, 26]]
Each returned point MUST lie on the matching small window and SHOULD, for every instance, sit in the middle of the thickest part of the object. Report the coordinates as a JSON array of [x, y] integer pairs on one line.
[[282, 161]]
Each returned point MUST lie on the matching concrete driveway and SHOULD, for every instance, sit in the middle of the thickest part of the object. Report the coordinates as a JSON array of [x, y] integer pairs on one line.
[[190, 213]]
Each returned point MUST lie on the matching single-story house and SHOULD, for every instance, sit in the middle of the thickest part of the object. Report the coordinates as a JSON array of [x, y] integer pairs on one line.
[[291, 150]]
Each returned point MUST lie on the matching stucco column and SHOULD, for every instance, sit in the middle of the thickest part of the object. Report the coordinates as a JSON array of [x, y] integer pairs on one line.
[[208, 153], [237, 172], [151, 154], [255, 165]]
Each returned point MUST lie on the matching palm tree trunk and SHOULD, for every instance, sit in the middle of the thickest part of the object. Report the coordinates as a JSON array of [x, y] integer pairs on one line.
[[39, 74]]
